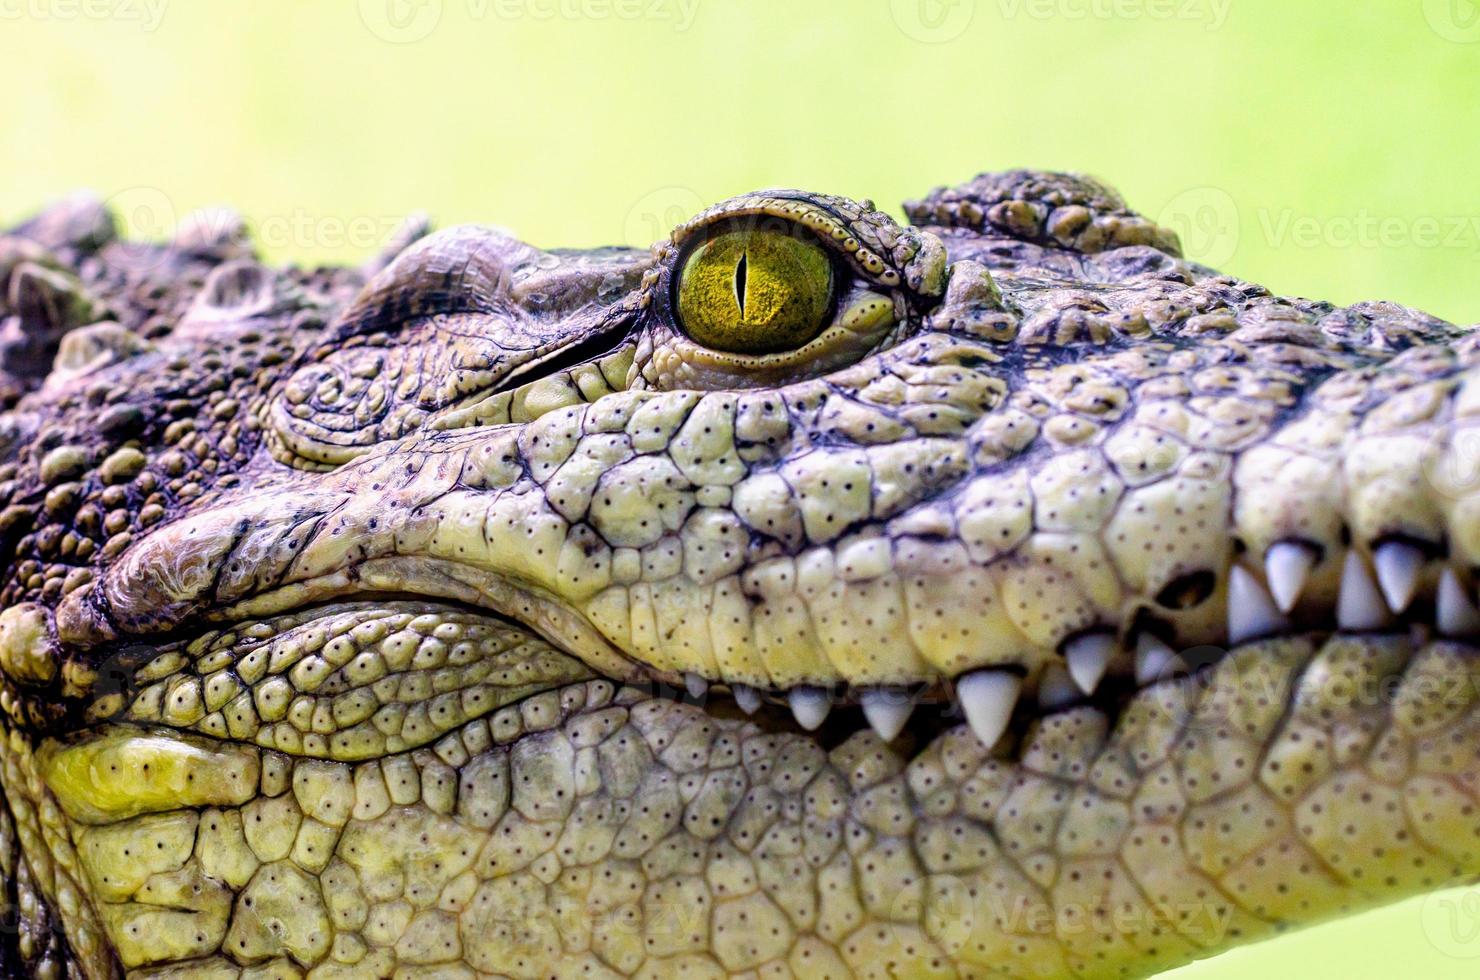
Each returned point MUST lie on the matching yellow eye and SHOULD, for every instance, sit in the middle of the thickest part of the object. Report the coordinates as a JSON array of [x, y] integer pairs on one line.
[[755, 291]]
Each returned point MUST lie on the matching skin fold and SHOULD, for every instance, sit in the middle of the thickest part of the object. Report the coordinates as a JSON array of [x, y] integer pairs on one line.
[[812, 595]]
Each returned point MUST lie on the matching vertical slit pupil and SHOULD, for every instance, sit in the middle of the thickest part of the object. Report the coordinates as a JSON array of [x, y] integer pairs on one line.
[[740, 274]]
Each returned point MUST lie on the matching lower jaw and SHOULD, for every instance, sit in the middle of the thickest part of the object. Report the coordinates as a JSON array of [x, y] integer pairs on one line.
[[624, 829]]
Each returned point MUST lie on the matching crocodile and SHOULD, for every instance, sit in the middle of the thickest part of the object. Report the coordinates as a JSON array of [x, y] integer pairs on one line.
[[811, 594]]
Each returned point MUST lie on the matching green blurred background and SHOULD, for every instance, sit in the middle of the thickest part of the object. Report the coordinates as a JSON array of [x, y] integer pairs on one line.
[[1324, 150]]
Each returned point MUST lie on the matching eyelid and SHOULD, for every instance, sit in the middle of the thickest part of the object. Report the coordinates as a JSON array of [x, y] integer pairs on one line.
[[835, 233]]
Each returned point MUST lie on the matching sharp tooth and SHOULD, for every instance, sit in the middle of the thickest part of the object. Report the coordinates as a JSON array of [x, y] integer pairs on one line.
[[1251, 612], [695, 685], [886, 710], [1457, 615], [1056, 688], [1155, 660], [810, 705], [1360, 606], [987, 698], [1287, 565], [747, 697], [1088, 656], [1398, 565]]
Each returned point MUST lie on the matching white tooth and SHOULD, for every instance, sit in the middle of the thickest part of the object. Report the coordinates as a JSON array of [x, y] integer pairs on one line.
[[1088, 655], [747, 697], [1251, 612], [1398, 565], [1056, 688], [987, 698], [695, 685], [1287, 565], [1155, 660], [1360, 606], [810, 705], [1457, 615], [886, 710]]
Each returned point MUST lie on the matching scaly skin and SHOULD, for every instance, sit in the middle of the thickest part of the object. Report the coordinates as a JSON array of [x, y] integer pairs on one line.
[[441, 618]]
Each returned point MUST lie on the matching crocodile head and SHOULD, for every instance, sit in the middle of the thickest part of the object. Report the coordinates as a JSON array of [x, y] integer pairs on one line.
[[810, 595]]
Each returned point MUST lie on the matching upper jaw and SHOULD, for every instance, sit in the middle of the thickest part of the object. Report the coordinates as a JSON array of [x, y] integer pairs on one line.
[[1236, 552]]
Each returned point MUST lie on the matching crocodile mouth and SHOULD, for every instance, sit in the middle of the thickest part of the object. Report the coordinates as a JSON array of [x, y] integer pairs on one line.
[[374, 674], [1398, 593]]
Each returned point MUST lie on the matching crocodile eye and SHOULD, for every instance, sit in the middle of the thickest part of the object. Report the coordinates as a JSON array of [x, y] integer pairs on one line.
[[755, 291], [779, 286]]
